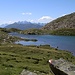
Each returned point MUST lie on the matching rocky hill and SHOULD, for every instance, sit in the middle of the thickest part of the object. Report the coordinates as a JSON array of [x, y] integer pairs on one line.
[[67, 21]]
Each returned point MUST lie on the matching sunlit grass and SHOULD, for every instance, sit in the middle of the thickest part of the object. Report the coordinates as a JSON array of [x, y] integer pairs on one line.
[[32, 58]]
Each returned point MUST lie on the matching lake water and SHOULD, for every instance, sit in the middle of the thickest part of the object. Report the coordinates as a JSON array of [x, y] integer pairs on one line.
[[63, 42]]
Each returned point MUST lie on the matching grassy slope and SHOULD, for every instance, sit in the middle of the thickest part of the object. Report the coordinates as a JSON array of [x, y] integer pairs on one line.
[[5, 38], [15, 58], [69, 32], [63, 31], [33, 32]]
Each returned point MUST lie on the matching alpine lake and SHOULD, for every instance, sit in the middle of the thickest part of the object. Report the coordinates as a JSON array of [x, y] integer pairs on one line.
[[60, 42]]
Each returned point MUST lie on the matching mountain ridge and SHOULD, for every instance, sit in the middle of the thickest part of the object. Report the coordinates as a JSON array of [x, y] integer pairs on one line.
[[67, 21], [23, 25]]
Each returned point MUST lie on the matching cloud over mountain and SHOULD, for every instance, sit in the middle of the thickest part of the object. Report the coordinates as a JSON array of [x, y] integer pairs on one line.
[[45, 19]]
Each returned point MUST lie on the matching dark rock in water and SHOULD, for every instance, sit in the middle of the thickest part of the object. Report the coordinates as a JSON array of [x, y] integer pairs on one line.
[[62, 67]]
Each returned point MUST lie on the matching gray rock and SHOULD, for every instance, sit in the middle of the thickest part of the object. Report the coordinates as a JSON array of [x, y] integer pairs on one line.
[[62, 67], [25, 72]]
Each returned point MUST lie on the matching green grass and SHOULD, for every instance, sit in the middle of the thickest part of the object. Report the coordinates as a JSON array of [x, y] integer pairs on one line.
[[5, 38], [15, 58], [33, 32], [64, 31]]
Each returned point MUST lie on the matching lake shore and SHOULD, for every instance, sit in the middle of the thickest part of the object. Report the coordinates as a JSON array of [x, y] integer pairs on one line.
[[62, 42]]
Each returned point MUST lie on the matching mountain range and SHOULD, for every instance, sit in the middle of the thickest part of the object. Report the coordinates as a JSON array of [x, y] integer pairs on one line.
[[23, 25]]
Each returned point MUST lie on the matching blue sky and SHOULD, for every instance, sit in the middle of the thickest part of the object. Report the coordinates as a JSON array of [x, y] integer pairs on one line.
[[34, 10]]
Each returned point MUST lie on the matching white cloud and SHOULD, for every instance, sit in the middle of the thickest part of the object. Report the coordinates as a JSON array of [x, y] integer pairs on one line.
[[6, 22], [26, 13], [32, 21], [45, 19], [10, 22]]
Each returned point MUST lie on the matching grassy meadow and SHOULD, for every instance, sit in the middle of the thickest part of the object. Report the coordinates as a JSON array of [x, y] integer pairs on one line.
[[15, 58]]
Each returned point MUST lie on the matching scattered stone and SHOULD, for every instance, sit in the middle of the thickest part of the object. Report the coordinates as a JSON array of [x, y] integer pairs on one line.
[[25, 72]]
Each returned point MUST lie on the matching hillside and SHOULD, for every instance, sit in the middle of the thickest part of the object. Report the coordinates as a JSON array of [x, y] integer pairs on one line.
[[24, 25], [64, 25], [64, 31], [67, 21]]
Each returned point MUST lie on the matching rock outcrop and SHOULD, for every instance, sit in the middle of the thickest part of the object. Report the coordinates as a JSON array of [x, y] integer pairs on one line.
[[62, 67]]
